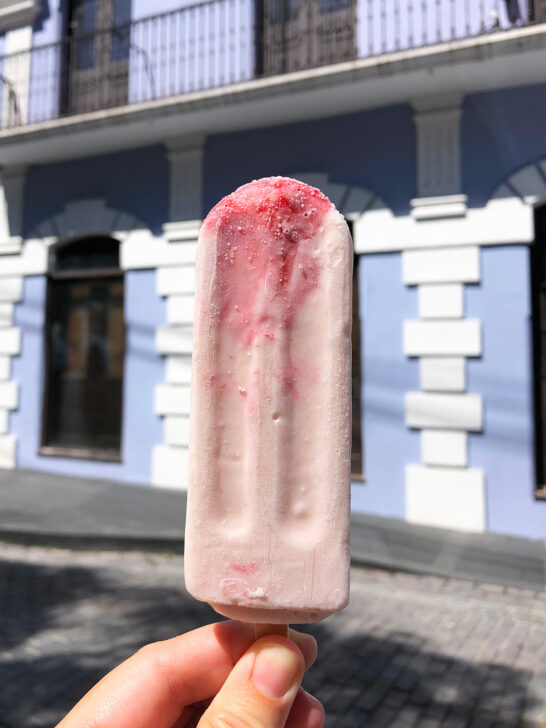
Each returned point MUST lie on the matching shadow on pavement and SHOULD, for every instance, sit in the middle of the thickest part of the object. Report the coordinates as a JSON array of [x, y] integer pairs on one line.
[[63, 627]]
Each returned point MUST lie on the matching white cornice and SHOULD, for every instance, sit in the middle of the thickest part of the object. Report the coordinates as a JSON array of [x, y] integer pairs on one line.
[[17, 14], [502, 221], [499, 60]]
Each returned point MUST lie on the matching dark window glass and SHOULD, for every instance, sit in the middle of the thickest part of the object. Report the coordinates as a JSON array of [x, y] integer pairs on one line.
[[357, 450], [121, 33], [85, 351], [87, 253], [85, 20], [538, 269], [330, 6], [283, 10]]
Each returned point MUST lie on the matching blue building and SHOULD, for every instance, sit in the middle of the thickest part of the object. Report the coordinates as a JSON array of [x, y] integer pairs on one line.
[[422, 121]]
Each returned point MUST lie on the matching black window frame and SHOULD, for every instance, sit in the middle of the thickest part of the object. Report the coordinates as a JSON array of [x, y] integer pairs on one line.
[[538, 324], [357, 430], [98, 273]]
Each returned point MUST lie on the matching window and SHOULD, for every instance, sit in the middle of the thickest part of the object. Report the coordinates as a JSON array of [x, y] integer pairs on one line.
[[357, 450], [538, 273], [85, 351]]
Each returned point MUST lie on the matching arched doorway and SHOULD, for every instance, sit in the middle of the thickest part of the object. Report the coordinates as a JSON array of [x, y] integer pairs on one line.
[[85, 350]]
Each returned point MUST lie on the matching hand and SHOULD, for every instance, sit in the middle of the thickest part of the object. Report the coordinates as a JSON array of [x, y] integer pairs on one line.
[[213, 677]]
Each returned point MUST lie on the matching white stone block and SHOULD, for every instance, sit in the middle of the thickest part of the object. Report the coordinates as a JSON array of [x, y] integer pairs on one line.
[[184, 231], [180, 309], [31, 261], [170, 467], [178, 369], [10, 341], [11, 289], [445, 265], [442, 338], [7, 451], [444, 411], [6, 314], [174, 340], [440, 301], [177, 430], [444, 447], [172, 399], [149, 252], [442, 374], [446, 497], [440, 206], [5, 367], [176, 279], [4, 421], [9, 395]]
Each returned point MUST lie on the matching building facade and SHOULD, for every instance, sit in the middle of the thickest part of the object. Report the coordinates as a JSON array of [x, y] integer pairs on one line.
[[422, 121]]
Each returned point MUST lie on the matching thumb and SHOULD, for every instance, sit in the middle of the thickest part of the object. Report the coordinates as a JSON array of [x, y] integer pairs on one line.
[[260, 689]]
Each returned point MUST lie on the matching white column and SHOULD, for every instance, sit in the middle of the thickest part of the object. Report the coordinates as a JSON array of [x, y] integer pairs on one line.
[[442, 490], [186, 178], [176, 284], [16, 72], [12, 183], [437, 123]]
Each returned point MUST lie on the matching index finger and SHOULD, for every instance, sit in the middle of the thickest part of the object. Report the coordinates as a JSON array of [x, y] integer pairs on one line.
[[154, 685]]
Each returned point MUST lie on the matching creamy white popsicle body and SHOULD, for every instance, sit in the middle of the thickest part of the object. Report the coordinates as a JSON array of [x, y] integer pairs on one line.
[[267, 531]]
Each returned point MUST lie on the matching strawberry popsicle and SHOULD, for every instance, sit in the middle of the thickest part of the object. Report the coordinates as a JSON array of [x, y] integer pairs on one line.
[[267, 530]]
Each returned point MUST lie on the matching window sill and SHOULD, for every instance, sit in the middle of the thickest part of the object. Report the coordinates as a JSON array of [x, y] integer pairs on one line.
[[108, 456], [358, 478], [540, 494]]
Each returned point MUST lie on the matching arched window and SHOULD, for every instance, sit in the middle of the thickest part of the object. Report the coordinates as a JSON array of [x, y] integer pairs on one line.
[[538, 271], [85, 351]]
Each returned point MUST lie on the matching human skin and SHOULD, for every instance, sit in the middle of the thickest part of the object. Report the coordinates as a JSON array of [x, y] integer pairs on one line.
[[214, 677]]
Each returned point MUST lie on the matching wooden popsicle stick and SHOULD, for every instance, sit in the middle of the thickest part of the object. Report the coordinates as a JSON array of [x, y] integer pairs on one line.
[[261, 630]]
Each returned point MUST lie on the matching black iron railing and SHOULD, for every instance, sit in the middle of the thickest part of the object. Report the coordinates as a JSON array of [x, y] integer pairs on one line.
[[218, 43]]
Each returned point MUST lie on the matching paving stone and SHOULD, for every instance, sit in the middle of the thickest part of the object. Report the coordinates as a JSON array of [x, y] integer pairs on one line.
[[409, 651]]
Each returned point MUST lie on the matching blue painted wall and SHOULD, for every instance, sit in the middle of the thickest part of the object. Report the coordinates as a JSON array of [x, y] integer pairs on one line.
[[375, 150], [144, 368], [503, 375], [501, 131], [388, 445], [136, 182]]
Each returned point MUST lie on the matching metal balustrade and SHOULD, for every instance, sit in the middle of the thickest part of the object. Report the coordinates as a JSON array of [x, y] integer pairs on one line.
[[218, 43]]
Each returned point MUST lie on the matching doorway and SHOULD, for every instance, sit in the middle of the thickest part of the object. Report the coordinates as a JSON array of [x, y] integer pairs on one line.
[[85, 351]]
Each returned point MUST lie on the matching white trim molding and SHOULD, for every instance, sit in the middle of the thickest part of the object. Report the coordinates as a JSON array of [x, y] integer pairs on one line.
[[446, 497], [14, 13], [503, 221], [139, 248]]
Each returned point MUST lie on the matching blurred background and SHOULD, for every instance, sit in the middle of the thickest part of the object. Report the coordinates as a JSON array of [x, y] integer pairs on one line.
[[122, 123]]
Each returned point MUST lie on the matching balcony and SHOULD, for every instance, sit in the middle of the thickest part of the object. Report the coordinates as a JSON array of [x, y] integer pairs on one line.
[[221, 43]]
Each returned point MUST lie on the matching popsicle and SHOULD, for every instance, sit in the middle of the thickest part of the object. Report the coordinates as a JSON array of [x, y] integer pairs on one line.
[[267, 530]]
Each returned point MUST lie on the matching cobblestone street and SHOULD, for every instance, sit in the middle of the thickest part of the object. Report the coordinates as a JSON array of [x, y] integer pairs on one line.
[[410, 650]]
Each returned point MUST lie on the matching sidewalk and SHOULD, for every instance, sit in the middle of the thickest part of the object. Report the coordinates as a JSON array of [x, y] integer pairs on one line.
[[43, 509]]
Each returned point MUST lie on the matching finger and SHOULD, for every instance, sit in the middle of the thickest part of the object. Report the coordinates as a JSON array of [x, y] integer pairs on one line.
[[306, 712], [307, 644], [261, 687], [154, 685]]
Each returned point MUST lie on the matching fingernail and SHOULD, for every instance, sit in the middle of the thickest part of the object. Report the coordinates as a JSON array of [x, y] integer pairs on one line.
[[276, 670]]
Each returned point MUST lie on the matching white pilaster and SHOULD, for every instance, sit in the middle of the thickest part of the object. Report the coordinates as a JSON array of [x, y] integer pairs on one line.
[[186, 177], [437, 121], [16, 72], [175, 281], [443, 491]]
